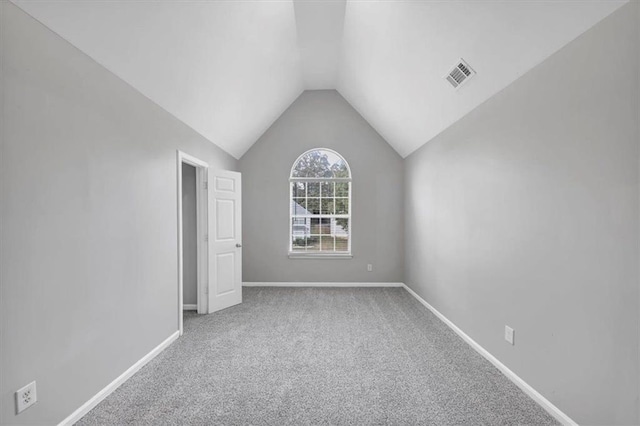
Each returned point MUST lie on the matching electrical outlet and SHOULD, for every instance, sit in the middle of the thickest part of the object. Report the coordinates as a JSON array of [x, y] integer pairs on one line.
[[26, 397], [509, 334], [369, 267]]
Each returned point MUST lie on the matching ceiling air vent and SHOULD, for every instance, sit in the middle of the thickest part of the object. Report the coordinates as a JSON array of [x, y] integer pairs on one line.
[[460, 73]]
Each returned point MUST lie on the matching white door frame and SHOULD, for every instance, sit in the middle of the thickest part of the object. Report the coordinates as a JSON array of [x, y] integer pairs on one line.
[[201, 232]]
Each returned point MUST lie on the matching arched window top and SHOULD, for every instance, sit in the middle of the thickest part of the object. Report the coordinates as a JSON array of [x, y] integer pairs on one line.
[[321, 163]]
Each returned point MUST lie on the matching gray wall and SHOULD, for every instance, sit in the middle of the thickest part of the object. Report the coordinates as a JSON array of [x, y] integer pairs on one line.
[[189, 236], [88, 220], [525, 213], [322, 119]]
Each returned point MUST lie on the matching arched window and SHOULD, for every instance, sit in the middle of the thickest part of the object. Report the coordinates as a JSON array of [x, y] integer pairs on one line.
[[320, 204]]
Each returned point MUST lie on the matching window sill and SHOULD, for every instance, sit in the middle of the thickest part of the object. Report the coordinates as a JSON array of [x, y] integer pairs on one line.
[[343, 256]]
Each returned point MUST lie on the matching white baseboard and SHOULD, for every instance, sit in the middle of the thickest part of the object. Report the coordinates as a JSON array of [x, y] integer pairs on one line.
[[189, 307], [526, 388], [97, 398], [313, 284]]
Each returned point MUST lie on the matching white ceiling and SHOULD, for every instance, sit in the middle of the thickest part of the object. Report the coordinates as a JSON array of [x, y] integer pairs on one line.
[[319, 25], [396, 54], [228, 69]]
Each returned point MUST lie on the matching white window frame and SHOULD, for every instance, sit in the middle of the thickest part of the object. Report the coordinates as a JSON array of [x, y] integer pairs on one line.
[[319, 254]]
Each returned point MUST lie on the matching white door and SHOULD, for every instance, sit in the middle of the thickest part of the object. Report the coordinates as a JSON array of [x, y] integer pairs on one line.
[[225, 239]]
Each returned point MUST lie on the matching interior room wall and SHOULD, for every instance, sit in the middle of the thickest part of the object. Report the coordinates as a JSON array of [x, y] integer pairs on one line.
[[189, 236], [525, 213], [89, 256], [638, 121], [322, 119]]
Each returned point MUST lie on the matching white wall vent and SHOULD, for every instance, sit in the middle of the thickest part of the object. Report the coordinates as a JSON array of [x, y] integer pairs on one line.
[[460, 74]]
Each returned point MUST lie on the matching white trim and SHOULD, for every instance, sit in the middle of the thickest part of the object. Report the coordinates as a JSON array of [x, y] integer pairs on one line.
[[107, 390], [201, 206], [191, 160], [190, 307], [313, 284], [319, 179], [303, 255], [524, 386], [202, 230]]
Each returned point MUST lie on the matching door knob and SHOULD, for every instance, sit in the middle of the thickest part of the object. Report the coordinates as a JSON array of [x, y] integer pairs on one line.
[[238, 245]]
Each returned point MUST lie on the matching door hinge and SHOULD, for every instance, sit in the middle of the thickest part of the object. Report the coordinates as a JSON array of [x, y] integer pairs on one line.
[[206, 238], [206, 184]]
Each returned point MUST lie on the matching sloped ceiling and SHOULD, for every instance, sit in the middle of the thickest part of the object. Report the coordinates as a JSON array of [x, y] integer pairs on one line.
[[228, 69], [396, 54]]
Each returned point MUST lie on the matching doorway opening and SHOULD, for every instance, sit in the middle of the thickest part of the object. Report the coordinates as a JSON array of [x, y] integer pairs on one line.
[[192, 235], [189, 239]]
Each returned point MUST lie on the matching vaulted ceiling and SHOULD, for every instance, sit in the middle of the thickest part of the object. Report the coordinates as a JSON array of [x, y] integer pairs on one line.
[[228, 69]]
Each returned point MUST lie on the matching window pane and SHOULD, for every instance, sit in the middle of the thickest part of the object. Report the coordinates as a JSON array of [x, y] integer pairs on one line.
[[327, 243], [340, 170], [298, 189], [300, 228], [342, 244], [299, 206], [315, 226], [342, 206], [313, 205], [313, 189], [313, 243], [327, 206], [327, 189], [341, 227], [342, 189], [325, 226], [298, 244]]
